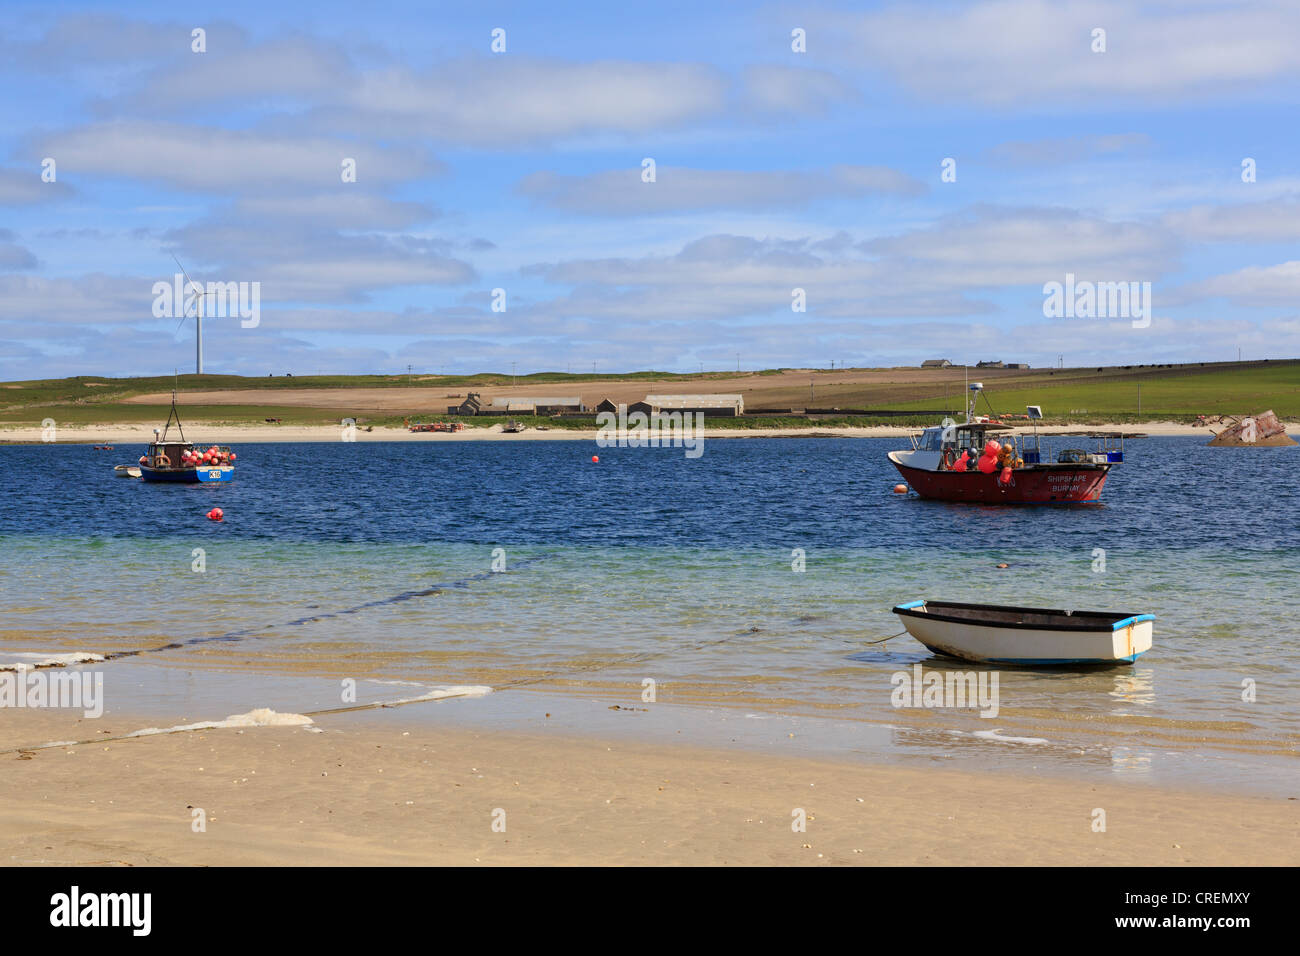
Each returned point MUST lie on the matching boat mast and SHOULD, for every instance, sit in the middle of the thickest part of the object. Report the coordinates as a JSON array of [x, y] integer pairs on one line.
[[973, 389], [174, 414]]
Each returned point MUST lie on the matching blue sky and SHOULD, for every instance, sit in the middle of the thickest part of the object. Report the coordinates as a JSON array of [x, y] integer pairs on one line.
[[521, 171]]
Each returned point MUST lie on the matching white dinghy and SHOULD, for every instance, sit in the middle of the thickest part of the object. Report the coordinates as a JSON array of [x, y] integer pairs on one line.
[[994, 634]]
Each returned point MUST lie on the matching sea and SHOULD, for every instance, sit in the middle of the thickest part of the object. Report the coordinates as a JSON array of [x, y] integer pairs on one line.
[[739, 598]]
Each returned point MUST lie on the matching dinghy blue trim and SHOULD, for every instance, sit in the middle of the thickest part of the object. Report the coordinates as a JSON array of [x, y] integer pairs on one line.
[[1135, 619]]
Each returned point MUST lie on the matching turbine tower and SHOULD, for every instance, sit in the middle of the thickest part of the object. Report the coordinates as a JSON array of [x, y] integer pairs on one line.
[[198, 318]]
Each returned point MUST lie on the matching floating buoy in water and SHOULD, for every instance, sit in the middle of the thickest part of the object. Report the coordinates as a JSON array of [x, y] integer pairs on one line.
[[1003, 565], [900, 489], [216, 514], [595, 459]]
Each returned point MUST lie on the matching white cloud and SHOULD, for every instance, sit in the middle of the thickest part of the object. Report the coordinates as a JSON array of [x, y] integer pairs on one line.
[[1275, 221], [787, 89], [13, 255], [94, 39], [21, 187], [1003, 52], [93, 299], [621, 192], [1060, 150], [212, 159], [990, 246], [287, 68], [1253, 286], [336, 209], [514, 101]]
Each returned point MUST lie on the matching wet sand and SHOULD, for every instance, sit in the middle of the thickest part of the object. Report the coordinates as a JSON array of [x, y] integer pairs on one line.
[[379, 789]]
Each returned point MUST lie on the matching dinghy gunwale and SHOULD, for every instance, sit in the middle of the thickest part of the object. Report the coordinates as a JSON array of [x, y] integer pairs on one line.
[[1054, 619]]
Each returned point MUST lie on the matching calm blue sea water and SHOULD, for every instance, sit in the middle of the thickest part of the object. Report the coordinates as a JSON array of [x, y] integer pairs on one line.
[[375, 560]]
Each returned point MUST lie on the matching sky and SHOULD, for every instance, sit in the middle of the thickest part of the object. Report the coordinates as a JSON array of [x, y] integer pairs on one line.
[[858, 184]]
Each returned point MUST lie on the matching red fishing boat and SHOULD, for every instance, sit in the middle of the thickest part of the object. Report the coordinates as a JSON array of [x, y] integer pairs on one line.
[[982, 461]]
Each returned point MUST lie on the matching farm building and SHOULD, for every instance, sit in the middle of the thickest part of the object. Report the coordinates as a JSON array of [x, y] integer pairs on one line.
[[545, 405], [471, 406], [936, 363], [729, 406], [992, 364]]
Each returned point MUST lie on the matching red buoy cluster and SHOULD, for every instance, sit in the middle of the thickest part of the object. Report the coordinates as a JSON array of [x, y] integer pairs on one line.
[[213, 456], [216, 514], [989, 460]]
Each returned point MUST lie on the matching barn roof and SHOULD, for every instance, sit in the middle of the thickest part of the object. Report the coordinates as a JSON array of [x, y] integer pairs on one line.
[[694, 401]]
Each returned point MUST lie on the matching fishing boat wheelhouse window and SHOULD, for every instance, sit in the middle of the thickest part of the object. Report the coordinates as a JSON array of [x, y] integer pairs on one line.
[[932, 439], [970, 438]]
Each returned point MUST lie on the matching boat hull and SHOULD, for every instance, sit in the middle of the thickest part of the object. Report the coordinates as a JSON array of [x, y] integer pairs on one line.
[[1034, 485], [205, 475], [1030, 642]]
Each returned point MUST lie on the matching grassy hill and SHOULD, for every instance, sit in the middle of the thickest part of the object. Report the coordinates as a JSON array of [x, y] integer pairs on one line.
[[1108, 394], [1178, 394]]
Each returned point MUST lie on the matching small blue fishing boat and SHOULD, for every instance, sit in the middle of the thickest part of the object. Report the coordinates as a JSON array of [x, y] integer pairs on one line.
[[1033, 636], [177, 460]]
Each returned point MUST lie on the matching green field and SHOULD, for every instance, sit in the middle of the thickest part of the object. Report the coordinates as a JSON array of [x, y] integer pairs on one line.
[[1172, 397], [1121, 394]]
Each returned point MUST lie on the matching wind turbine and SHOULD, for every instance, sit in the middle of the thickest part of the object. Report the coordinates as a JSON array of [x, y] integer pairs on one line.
[[198, 317]]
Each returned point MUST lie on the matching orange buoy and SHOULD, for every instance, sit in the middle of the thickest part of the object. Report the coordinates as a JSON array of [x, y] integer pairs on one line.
[[216, 514], [900, 489], [595, 458]]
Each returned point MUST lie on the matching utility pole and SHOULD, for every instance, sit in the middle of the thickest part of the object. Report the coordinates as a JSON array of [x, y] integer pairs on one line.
[[408, 375], [737, 363]]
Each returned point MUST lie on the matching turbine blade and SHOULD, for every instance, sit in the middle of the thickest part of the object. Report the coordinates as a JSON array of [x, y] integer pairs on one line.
[[184, 273]]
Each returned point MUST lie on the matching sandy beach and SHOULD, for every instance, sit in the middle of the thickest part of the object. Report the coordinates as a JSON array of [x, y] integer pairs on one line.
[[135, 433], [381, 789]]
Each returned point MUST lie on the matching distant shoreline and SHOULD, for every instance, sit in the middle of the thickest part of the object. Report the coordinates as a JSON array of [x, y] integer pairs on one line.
[[127, 434]]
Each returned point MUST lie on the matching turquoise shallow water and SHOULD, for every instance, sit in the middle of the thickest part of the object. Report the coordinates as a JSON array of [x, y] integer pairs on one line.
[[376, 561]]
